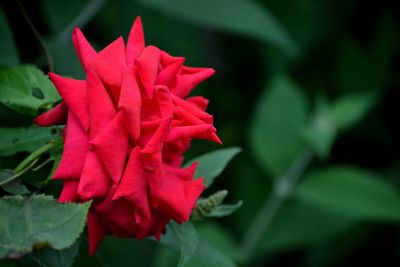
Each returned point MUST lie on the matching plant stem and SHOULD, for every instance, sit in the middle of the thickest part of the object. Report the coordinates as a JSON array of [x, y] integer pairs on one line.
[[33, 156], [282, 189], [37, 35], [17, 175]]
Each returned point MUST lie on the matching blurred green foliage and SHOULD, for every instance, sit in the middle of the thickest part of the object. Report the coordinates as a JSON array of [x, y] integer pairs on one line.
[[290, 75]]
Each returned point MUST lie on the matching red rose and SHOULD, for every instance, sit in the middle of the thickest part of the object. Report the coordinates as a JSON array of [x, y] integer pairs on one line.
[[127, 127]]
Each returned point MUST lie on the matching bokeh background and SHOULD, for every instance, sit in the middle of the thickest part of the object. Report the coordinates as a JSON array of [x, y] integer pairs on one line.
[[293, 75]]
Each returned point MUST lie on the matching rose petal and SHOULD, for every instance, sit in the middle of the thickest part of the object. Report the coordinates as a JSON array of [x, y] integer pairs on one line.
[[94, 182], [85, 51], [97, 229], [203, 131], [130, 103], [69, 191], [175, 198], [204, 116], [189, 78], [171, 66], [111, 145], [133, 186], [55, 116], [147, 67], [110, 65], [74, 94], [164, 101], [198, 101], [135, 44], [75, 150], [101, 108]]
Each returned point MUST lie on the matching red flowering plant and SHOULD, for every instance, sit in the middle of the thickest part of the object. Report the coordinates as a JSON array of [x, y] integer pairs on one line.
[[127, 127], [117, 141]]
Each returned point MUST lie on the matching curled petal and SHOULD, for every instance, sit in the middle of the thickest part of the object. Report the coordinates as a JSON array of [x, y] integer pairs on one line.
[[130, 103], [111, 145], [133, 186], [189, 78], [74, 94], [55, 116], [176, 198], [75, 150], [94, 182], [97, 229], [198, 101], [147, 67], [207, 118], [135, 44], [203, 131], [110, 65], [85, 51], [69, 192], [171, 67], [101, 108]]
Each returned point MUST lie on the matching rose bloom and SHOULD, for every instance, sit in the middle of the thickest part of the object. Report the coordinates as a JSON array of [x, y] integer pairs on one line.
[[127, 127]]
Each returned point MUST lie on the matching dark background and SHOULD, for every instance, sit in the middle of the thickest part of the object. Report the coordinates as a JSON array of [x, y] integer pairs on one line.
[[341, 47]]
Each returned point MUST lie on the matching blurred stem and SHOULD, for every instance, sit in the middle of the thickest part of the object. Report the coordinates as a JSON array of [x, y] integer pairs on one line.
[[82, 19], [37, 35], [282, 189], [20, 173], [33, 156]]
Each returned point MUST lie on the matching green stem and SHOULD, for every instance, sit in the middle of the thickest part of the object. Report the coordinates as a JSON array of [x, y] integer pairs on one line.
[[37, 35], [33, 156], [282, 189], [20, 173]]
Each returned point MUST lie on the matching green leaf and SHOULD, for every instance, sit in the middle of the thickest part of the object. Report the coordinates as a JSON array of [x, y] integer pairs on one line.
[[15, 187], [26, 89], [8, 50], [351, 192], [182, 237], [255, 20], [212, 164], [330, 120], [18, 139], [48, 257], [38, 221], [276, 130], [225, 209]]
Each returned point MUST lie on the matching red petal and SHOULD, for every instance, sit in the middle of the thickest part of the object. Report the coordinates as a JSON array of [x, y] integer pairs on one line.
[[112, 146], [130, 103], [164, 101], [172, 65], [101, 108], [133, 186], [94, 182], [54, 116], [207, 118], [85, 51], [74, 95], [110, 65], [75, 150], [198, 101], [147, 66], [203, 131], [97, 229], [189, 78], [175, 198], [156, 142], [69, 192], [135, 44]]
